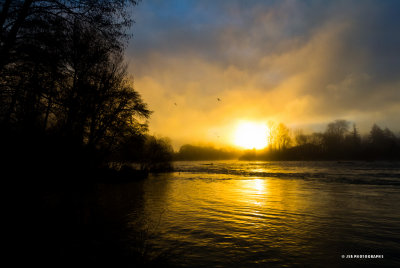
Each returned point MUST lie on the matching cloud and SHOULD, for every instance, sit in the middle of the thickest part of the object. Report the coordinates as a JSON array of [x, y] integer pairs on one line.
[[299, 62]]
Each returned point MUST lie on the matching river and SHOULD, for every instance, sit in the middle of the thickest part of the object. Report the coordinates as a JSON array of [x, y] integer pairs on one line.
[[268, 214]]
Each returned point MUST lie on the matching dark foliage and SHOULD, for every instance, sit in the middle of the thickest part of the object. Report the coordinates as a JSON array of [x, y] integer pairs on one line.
[[67, 107], [66, 100], [192, 152], [338, 142], [148, 153]]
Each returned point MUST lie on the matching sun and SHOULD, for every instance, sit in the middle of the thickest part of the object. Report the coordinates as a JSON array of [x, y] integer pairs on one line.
[[250, 135]]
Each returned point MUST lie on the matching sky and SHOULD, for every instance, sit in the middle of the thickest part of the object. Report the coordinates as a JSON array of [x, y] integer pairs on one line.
[[204, 66]]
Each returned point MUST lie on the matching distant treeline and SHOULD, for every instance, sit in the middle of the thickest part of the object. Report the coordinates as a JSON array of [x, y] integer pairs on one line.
[[66, 101], [340, 141]]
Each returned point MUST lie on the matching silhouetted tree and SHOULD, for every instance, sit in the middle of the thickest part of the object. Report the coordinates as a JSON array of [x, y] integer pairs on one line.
[[352, 143], [382, 144], [334, 137], [338, 142], [354, 136], [300, 138], [19, 18], [98, 103], [157, 154], [35, 44], [192, 152], [283, 137], [62, 77], [279, 136], [335, 132]]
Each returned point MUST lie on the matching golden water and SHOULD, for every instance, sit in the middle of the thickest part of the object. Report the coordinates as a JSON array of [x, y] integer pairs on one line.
[[264, 214]]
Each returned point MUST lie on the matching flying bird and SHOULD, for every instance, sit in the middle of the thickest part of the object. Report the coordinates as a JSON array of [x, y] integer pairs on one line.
[[218, 99]]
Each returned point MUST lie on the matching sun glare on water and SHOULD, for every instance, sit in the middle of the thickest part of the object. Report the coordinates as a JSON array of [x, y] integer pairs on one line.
[[251, 135]]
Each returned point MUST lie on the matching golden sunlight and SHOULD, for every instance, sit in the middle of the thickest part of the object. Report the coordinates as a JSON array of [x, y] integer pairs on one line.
[[250, 135]]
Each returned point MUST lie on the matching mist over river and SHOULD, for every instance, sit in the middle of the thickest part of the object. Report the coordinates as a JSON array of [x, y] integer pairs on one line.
[[265, 214]]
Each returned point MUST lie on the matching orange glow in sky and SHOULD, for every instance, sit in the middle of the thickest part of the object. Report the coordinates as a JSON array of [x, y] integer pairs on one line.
[[201, 67]]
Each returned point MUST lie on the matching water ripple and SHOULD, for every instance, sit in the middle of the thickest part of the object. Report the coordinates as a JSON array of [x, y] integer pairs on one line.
[[275, 214]]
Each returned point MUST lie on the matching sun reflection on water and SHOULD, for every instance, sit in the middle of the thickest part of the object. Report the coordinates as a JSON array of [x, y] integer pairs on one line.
[[259, 185], [227, 211], [220, 215]]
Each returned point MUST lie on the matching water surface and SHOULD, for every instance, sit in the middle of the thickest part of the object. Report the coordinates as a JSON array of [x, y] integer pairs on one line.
[[267, 214]]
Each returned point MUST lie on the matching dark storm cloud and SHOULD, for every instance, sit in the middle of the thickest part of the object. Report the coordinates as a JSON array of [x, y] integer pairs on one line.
[[219, 30], [227, 30]]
